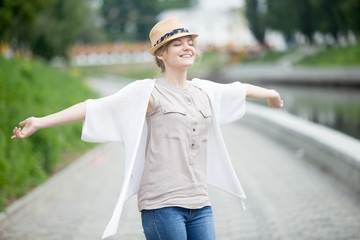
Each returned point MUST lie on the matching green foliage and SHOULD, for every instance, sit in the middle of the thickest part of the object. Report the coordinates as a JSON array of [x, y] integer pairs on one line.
[[335, 16], [132, 20], [256, 18], [336, 56], [306, 16], [15, 19], [48, 27], [267, 57], [59, 25], [26, 89], [289, 16]]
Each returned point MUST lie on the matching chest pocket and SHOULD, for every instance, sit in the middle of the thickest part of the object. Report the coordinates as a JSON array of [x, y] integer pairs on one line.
[[174, 122], [206, 112]]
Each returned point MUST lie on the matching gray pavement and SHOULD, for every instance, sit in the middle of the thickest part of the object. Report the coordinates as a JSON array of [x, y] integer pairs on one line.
[[287, 198]]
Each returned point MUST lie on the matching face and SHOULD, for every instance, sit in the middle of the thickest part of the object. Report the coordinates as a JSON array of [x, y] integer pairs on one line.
[[180, 53]]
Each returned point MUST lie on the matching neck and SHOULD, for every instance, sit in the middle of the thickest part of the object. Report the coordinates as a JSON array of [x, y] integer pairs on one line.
[[177, 77]]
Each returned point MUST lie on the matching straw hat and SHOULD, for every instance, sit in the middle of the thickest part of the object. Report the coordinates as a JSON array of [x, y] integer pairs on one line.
[[165, 31]]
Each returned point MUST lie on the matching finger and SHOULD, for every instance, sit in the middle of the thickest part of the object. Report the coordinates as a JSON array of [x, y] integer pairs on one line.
[[18, 132], [22, 123], [15, 134]]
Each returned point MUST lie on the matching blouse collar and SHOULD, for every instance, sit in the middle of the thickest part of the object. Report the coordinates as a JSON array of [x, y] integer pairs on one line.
[[172, 87]]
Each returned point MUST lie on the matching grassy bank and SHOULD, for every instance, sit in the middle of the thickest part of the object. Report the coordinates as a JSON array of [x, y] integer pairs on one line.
[[335, 56], [332, 56], [29, 88], [267, 57]]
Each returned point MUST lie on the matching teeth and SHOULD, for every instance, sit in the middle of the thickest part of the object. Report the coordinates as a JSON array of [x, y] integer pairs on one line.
[[185, 56]]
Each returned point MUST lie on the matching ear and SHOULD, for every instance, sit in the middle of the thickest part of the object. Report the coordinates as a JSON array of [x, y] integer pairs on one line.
[[160, 56]]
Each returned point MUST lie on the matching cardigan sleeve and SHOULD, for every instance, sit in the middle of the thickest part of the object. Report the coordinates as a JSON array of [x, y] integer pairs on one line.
[[100, 123], [117, 117], [232, 102]]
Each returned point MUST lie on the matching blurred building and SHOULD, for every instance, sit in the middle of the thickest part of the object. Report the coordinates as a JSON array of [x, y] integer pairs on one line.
[[220, 24], [110, 53]]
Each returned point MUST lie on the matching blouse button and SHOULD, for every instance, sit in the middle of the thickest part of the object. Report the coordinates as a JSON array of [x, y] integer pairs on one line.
[[194, 129]]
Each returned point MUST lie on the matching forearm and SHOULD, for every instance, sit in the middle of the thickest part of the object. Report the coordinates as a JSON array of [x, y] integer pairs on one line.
[[256, 92], [273, 97], [72, 114], [31, 125]]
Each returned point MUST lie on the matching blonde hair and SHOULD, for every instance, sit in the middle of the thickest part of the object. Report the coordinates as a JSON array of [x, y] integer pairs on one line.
[[164, 48]]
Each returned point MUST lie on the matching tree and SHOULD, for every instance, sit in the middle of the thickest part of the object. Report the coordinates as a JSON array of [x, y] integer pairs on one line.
[[286, 16], [47, 27], [328, 18], [16, 17], [256, 17], [351, 9], [59, 26], [307, 16]]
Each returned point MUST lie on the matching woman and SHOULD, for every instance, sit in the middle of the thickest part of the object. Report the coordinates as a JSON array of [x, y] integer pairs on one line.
[[170, 130]]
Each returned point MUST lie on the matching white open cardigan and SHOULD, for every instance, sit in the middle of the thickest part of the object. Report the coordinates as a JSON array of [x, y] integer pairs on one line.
[[121, 118]]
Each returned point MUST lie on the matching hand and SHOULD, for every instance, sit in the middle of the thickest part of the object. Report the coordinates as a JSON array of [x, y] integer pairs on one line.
[[275, 101], [30, 127]]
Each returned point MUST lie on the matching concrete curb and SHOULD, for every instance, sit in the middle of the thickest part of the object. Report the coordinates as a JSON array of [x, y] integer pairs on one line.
[[288, 75], [333, 151]]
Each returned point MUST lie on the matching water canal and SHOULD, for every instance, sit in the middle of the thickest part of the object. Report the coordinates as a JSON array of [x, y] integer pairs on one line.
[[334, 107]]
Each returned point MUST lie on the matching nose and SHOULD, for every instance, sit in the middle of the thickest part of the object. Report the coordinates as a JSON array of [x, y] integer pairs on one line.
[[186, 47]]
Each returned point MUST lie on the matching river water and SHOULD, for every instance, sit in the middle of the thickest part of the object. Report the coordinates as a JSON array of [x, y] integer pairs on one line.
[[337, 108]]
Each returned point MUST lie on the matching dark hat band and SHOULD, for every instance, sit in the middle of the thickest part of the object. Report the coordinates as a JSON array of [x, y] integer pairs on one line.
[[170, 34]]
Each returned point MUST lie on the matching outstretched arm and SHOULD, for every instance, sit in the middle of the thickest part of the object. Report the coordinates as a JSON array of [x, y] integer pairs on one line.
[[273, 98], [30, 125]]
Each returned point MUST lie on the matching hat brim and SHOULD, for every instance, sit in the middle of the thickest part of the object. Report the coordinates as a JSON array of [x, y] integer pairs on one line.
[[179, 35]]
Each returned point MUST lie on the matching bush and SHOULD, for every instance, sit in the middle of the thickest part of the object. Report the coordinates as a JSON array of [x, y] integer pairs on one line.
[[29, 88]]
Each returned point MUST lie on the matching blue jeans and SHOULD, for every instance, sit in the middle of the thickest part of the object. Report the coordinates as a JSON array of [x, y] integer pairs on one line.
[[176, 223]]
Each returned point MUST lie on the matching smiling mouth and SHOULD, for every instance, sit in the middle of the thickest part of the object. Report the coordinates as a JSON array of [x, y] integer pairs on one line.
[[185, 56]]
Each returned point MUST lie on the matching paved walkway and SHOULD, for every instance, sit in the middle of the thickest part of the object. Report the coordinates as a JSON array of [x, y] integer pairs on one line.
[[288, 198]]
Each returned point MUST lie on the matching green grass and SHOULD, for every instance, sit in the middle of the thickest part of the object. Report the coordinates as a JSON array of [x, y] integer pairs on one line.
[[337, 56], [29, 88], [267, 56]]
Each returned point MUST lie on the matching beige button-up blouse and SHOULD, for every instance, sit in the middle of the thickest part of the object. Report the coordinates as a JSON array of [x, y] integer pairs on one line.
[[175, 166]]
